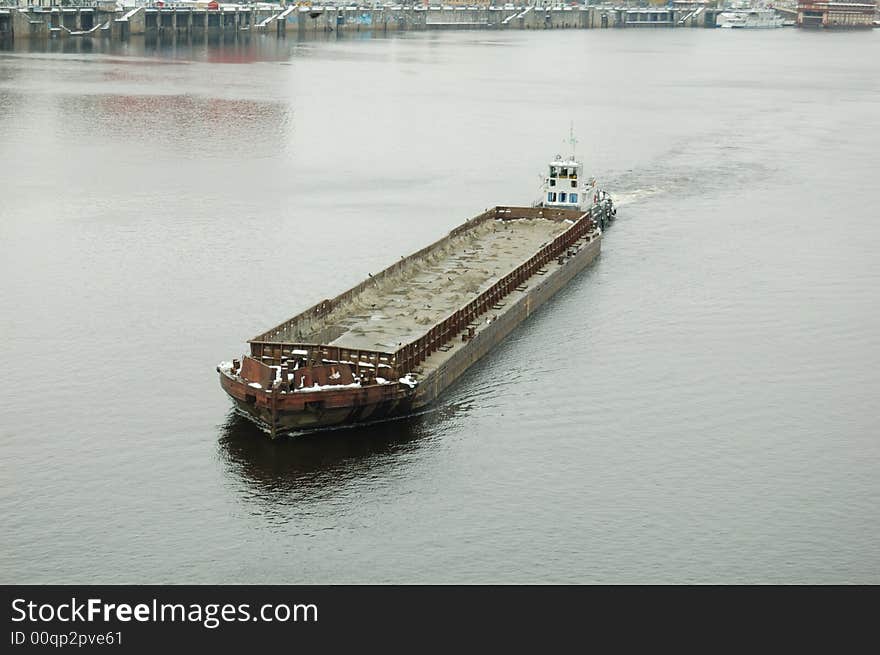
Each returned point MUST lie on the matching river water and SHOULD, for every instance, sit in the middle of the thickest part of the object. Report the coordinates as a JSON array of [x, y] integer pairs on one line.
[[699, 406]]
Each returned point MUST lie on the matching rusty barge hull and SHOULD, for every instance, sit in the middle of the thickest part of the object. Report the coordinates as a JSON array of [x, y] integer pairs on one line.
[[334, 365]]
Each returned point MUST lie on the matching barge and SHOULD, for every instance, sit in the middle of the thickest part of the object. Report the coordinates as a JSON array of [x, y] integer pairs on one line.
[[390, 345]]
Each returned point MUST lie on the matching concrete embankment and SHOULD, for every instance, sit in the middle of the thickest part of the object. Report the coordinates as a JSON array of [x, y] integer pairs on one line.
[[105, 20]]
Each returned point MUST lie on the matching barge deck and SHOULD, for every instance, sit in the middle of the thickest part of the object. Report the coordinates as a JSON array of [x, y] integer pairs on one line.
[[402, 305], [393, 343]]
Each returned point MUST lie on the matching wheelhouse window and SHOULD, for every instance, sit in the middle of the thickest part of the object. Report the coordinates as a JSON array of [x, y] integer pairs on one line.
[[552, 181], [552, 171]]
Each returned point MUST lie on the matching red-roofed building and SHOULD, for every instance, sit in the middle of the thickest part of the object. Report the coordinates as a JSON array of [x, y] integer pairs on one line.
[[836, 15]]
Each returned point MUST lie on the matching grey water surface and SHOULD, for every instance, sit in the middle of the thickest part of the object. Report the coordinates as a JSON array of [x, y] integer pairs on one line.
[[701, 405]]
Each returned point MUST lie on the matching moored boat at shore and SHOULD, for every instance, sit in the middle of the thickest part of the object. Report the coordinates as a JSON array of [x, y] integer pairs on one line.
[[750, 18]]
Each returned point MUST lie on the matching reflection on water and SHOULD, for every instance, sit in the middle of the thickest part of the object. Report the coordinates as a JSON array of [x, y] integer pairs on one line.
[[213, 47], [291, 467], [223, 125]]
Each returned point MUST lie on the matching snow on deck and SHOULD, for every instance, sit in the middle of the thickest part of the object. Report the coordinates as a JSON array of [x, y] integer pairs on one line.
[[404, 305]]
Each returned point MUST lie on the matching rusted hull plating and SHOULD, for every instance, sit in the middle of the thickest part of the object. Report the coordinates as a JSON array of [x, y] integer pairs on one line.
[[267, 386], [279, 413]]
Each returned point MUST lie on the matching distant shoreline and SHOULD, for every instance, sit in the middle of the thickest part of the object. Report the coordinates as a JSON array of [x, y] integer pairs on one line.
[[106, 21]]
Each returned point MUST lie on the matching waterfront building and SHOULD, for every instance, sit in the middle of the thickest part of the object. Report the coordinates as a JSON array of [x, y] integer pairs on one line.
[[839, 15]]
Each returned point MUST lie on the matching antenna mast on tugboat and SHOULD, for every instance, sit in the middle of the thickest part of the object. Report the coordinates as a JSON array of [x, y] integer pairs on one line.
[[572, 140]]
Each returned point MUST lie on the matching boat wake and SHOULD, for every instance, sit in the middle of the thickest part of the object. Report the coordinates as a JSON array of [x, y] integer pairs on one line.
[[692, 168], [624, 198]]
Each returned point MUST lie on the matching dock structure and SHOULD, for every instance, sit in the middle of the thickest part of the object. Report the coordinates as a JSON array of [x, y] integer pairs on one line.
[[102, 18]]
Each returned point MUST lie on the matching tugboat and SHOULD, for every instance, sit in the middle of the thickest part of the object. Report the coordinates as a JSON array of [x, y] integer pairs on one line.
[[565, 187]]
